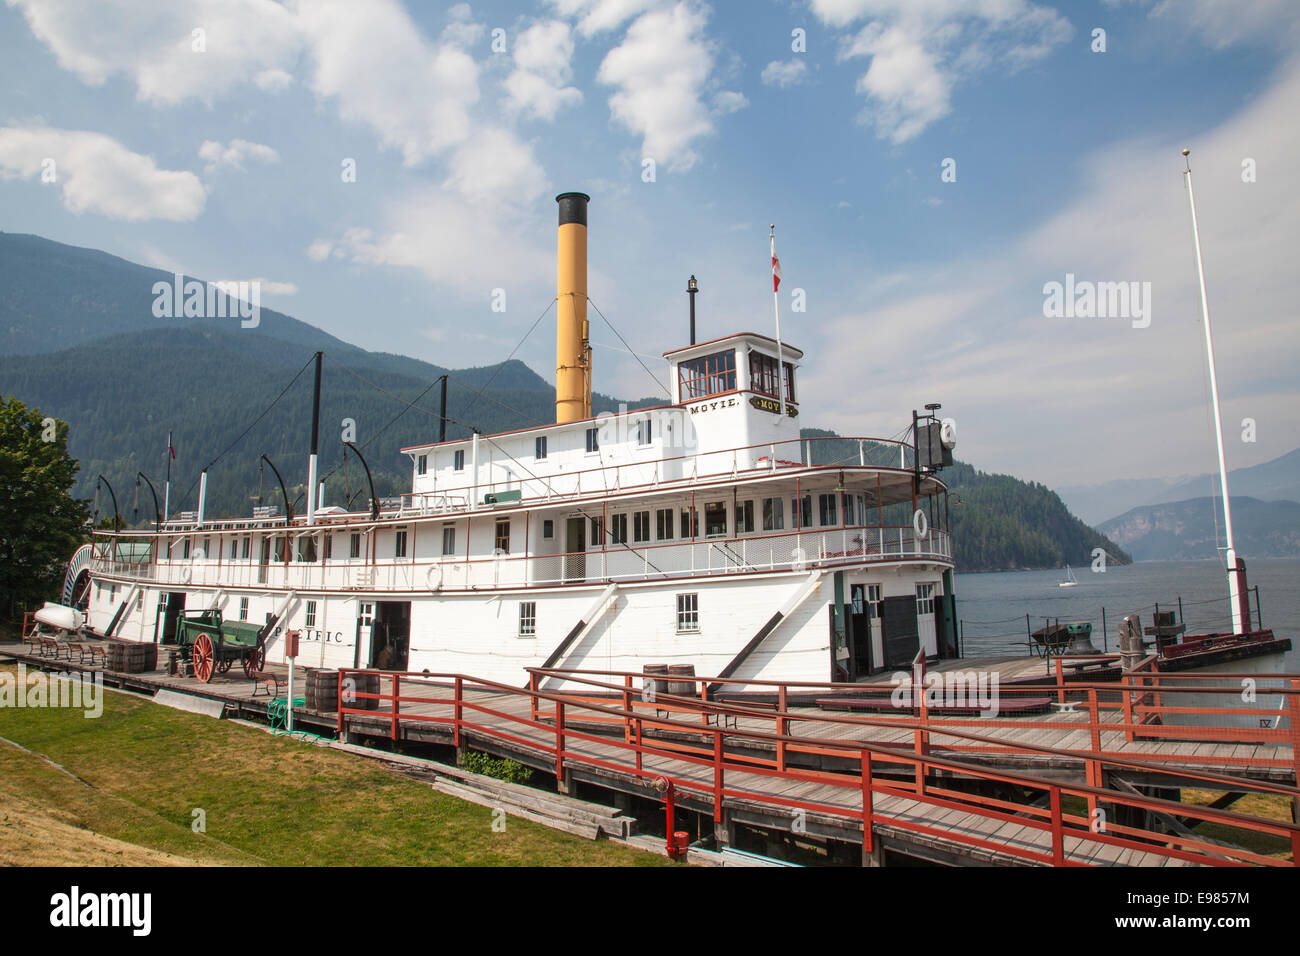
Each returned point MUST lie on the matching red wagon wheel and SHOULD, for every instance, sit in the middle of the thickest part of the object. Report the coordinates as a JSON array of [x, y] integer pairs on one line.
[[201, 656], [254, 661]]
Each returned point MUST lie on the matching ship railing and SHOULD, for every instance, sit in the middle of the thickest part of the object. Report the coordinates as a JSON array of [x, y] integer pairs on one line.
[[764, 749], [880, 454], [617, 561]]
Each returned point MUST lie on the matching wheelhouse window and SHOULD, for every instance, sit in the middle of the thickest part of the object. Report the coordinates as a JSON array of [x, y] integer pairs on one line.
[[688, 613], [762, 376], [527, 618], [449, 539], [502, 543], [707, 375], [773, 514], [539, 448]]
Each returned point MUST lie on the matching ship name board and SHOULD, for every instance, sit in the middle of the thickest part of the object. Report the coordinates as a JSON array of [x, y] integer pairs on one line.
[[712, 406], [772, 405]]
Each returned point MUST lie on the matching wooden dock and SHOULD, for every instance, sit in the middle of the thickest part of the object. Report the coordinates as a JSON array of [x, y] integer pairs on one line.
[[928, 788]]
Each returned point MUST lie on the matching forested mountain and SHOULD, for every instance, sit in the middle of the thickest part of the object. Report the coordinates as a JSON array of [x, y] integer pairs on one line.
[[79, 341], [1193, 529]]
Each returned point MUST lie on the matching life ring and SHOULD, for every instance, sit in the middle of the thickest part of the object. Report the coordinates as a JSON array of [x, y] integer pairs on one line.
[[433, 577]]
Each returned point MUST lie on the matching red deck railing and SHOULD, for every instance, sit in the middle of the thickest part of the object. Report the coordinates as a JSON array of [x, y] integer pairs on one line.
[[707, 757]]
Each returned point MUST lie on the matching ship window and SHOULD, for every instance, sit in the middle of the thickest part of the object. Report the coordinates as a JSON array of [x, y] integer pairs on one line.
[[847, 501], [311, 614], [773, 514], [279, 548], [234, 548], [539, 451], [503, 536], [664, 524], [707, 375], [207, 549], [593, 441], [307, 548], [354, 546], [762, 376], [449, 539], [527, 618], [185, 550], [643, 430], [744, 516], [329, 547], [399, 544], [139, 601], [874, 600], [826, 510], [243, 609], [422, 464], [715, 518], [618, 529], [688, 613], [801, 510], [690, 523], [925, 599], [597, 533], [458, 460], [548, 528], [641, 526], [243, 548]]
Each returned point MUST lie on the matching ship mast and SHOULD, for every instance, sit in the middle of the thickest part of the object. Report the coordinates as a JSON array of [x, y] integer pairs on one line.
[[1238, 597]]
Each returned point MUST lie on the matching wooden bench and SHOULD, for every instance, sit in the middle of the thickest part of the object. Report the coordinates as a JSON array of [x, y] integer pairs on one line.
[[94, 653], [50, 647]]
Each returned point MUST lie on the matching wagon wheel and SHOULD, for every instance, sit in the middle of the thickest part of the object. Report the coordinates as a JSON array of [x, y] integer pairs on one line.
[[254, 661], [201, 655], [224, 665]]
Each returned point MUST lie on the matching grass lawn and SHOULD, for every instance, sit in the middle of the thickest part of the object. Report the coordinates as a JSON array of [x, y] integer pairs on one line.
[[144, 769]]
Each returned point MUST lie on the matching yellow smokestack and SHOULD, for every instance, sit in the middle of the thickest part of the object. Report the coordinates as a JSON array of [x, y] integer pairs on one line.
[[572, 349]]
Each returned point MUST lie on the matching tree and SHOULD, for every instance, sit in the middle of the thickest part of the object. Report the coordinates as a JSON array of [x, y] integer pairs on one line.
[[41, 524]]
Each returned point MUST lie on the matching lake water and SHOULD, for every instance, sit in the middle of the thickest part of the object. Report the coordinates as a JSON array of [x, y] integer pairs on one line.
[[993, 606]]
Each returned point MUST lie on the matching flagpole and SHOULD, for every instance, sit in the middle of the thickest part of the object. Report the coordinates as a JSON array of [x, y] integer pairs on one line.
[[776, 309], [167, 490]]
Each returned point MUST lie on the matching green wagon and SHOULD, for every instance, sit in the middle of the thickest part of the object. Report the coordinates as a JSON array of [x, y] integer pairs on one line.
[[212, 645]]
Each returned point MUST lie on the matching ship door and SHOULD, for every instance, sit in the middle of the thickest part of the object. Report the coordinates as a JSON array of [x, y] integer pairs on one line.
[[575, 547], [925, 628], [900, 633], [859, 633], [391, 635], [172, 612], [365, 627]]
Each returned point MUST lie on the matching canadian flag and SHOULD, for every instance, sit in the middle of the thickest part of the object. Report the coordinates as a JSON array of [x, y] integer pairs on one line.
[[776, 273]]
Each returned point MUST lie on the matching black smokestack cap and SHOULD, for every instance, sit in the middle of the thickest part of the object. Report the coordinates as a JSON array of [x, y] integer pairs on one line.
[[573, 208]]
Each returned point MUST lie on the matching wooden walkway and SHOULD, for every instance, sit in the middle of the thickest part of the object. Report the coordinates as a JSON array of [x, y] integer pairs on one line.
[[943, 826]]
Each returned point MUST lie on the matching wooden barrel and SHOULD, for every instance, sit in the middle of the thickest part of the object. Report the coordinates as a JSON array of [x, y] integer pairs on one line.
[[681, 688], [322, 691], [115, 657], [653, 682], [364, 684]]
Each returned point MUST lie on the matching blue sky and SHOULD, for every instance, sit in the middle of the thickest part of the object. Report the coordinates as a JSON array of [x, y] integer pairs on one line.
[[226, 164]]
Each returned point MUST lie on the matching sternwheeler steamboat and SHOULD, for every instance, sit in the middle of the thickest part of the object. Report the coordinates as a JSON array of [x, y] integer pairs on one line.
[[702, 534]]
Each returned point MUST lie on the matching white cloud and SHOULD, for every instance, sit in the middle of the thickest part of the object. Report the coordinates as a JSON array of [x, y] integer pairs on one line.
[[234, 155], [461, 29], [660, 70], [495, 164], [96, 173], [153, 45], [1130, 395], [542, 56], [920, 51], [598, 16], [785, 73], [729, 101]]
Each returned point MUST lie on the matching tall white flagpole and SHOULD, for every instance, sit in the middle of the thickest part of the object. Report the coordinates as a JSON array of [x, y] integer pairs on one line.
[[776, 309], [1234, 590]]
